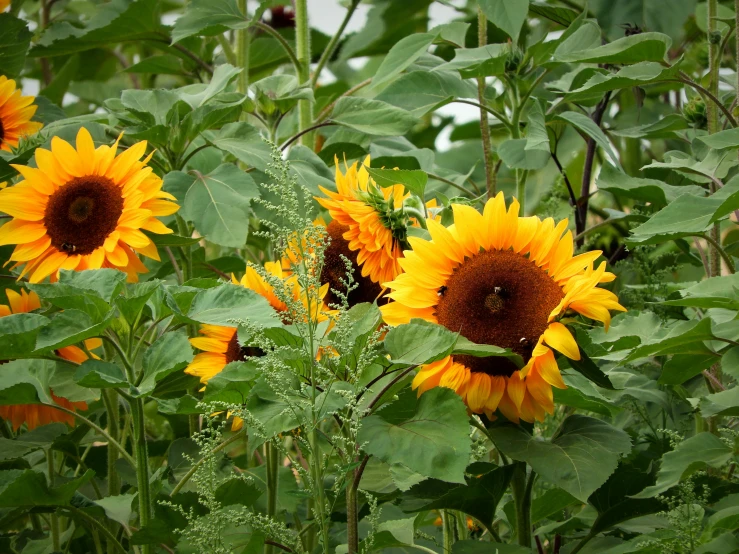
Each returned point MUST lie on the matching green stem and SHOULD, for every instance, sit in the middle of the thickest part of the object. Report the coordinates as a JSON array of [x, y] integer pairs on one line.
[[279, 38], [317, 477], [522, 500], [447, 520], [142, 467], [585, 540], [333, 43], [720, 251], [113, 414], [271, 460], [713, 121], [482, 39], [521, 176], [99, 429], [95, 524], [352, 515], [243, 40], [54, 517], [302, 39], [228, 51]]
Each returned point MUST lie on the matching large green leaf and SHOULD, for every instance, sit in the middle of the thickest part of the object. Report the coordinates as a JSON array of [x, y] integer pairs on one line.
[[428, 436], [484, 61], [226, 303], [414, 180], [99, 374], [647, 14], [402, 55], [243, 141], [691, 455], [208, 17], [372, 117], [219, 204], [29, 488], [18, 334], [485, 486], [639, 74], [25, 381], [25, 443], [507, 15], [579, 459], [14, 40], [644, 47], [724, 403], [419, 342], [715, 292], [112, 22], [644, 190], [169, 353], [70, 327], [420, 92], [515, 155], [586, 125]]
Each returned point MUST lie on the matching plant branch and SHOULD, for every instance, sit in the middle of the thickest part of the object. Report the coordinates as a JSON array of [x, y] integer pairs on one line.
[[285, 45], [387, 387], [328, 52], [200, 462], [95, 524], [325, 112], [97, 428], [482, 39], [176, 267], [295, 137], [688, 81]]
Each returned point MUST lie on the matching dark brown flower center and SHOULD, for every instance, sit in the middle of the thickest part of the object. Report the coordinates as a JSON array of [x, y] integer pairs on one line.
[[2, 132], [81, 214], [498, 298], [238, 353], [334, 269]]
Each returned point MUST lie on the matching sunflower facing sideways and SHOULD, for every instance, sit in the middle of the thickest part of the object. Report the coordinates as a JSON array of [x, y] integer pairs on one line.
[[84, 208], [366, 217], [35, 415], [503, 280], [16, 112]]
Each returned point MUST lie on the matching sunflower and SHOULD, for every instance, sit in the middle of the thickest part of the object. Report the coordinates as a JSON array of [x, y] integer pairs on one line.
[[34, 415], [16, 112], [371, 219], [84, 208], [502, 280]]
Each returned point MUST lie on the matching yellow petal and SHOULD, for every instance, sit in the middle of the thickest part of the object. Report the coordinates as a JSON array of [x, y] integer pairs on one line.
[[557, 336]]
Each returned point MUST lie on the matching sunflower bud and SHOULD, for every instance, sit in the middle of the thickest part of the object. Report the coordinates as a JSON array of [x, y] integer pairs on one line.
[[695, 112], [514, 58], [714, 37]]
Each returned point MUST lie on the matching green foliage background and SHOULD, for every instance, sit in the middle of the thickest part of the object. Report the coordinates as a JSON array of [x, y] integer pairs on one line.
[[619, 115]]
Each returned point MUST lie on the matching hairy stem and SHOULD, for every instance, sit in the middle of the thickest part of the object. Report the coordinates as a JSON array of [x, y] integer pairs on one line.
[[302, 39], [243, 40], [142, 467], [113, 415], [522, 500], [54, 517], [272, 458]]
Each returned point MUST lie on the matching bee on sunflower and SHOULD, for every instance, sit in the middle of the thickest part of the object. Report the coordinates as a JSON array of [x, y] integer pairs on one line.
[[368, 227], [16, 112], [84, 208], [503, 280], [35, 415]]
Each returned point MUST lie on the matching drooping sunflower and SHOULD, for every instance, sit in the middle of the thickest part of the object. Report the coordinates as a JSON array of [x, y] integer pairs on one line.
[[219, 344], [502, 280], [16, 112], [35, 415], [84, 208], [369, 220]]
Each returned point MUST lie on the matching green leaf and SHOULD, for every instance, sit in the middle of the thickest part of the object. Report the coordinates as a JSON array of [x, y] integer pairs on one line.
[[716, 163], [453, 33], [421, 92], [224, 304], [243, 141], [691, 455], [636, 75], [150, 105], [169, 353], [722, 140], [283, 90], [106, 283], [586, 125], [466, 347], [551, 502], [238, 492], [643, 190], [117, 508], [724, 403], [30, 441], [487, 547], [579, 459], [70, 327], [18, 334], [715, 292], [372, 117], [98, 374], [428, 436], [685, 337], [479, 497], [25, 381], [414, 180], [515, 155], [485, 61], [219, 204], [111, 23], [164, 64], [136, 297], [557, 14], [419, 342], [662, 128], [208, 17], [588, 369], [402, 55], [233, 383], [507, 15], [644, 47], [681, 367], [29, 488], [14, 40], [198, 95]]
